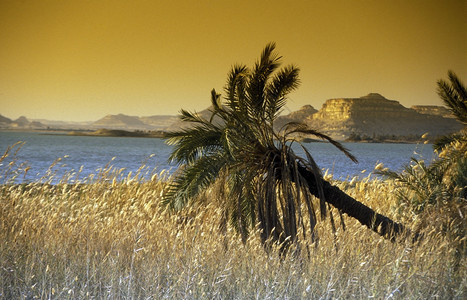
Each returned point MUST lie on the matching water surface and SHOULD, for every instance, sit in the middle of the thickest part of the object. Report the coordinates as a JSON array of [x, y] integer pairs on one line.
[[90, 154]]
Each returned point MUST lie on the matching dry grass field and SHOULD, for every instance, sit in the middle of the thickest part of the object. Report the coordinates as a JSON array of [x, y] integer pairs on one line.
[[112, 239]]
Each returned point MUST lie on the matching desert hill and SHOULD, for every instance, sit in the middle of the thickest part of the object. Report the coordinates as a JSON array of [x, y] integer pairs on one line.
[[4, 120], [296, 116], [20, 123], [159, 122], [126, 122], [119, 121]]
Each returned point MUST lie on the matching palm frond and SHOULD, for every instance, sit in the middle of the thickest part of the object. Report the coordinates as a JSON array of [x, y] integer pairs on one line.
[[260, 75], [457, 85], [216, 100], [191, 143], [242, 207], [191, 117], [284, 82], [312, 166], [294, 127], [453, 94], [447, 140], [450, 158], [192, 179], [235, 87]]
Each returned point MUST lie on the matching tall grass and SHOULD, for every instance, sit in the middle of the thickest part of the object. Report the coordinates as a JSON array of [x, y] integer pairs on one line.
[[110, 238]]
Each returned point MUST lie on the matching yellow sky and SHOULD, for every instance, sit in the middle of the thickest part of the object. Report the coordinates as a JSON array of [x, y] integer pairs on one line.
[[82, 59]]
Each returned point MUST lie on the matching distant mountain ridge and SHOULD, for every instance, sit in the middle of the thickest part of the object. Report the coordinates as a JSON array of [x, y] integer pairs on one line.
[[120, 121], [341, 118]]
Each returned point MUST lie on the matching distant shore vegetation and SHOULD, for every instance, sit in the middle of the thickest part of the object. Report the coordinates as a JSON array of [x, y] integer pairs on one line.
[[353, 137], [389, 138], [119, 133]]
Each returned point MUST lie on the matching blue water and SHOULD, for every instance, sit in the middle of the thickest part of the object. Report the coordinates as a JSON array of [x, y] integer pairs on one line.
[[82, 156]]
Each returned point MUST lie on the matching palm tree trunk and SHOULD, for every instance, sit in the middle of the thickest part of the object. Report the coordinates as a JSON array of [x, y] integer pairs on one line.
[[380, 224]]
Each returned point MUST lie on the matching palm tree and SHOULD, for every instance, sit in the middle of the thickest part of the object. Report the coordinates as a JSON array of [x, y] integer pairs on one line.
[[437, 192], [452, 148], [265, 181]]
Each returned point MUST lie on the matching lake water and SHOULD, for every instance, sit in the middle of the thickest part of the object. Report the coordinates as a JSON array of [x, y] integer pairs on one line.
[[82, 156]]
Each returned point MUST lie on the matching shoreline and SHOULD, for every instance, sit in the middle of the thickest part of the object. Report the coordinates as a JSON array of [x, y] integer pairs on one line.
[[118, 133], [160, 134]]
